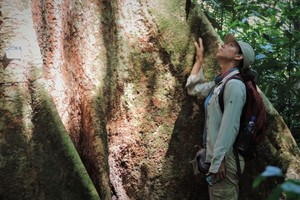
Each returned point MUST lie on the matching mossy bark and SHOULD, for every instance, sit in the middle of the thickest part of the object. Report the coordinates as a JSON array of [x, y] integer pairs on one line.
[[97, 105], [38, 158]]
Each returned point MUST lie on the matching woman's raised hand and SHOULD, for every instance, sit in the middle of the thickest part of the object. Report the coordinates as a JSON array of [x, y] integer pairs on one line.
[[199, 51]]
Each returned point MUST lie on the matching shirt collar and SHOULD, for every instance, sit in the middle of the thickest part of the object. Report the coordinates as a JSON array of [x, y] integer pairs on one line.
[[220, 77]]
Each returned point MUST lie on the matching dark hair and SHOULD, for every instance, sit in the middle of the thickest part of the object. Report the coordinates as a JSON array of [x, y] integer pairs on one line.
[[247, 74]]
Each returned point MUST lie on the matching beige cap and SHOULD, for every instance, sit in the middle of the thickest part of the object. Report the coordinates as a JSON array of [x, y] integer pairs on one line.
[[246, 49]]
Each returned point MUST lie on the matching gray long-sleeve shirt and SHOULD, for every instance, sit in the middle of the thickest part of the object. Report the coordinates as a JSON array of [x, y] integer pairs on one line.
[[221, 128]]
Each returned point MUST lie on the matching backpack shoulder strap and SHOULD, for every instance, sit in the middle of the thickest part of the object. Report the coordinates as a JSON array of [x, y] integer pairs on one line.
[[221, 94]]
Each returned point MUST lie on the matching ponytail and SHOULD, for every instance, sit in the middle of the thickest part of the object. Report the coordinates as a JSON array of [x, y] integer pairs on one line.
[[248, 74]]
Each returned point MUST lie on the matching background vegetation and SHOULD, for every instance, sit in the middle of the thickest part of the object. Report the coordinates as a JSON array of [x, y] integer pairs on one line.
[[272, 28]]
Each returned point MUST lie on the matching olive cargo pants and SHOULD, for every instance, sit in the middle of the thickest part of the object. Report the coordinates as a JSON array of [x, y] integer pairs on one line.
[[228, 188]]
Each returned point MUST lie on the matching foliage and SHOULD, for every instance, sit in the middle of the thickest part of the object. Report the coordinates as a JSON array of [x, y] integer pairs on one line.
[[290, 188], [272, 28]]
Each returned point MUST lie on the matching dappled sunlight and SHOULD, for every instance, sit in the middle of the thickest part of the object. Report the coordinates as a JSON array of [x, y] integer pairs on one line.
[[21, 55], [93, 100]]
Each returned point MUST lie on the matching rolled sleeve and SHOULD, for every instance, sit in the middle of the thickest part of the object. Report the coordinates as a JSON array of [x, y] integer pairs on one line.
[[196, 87]]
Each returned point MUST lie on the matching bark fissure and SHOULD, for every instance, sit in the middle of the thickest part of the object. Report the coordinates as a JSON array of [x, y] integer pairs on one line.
[[96, 106]]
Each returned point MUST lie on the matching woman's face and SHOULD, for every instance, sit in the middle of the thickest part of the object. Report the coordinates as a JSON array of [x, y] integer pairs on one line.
[[228, 51]]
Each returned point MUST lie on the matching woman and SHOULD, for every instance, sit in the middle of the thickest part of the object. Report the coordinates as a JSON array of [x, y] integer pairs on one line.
[[221, 127]]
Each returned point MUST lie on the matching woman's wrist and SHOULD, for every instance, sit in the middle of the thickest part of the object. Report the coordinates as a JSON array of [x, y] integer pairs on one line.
[[199, 62]]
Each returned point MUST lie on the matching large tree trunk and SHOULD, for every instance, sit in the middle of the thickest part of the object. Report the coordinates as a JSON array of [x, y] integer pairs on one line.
[[93, 103]]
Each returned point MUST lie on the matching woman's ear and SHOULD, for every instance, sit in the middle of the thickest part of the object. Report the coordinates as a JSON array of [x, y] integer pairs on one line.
[[239, 57]]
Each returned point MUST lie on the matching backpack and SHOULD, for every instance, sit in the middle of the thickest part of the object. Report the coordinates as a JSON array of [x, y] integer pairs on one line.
[[252, 122]]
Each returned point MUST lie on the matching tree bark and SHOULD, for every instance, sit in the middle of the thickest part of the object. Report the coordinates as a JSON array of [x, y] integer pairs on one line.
[[93, 102], [38, 159]]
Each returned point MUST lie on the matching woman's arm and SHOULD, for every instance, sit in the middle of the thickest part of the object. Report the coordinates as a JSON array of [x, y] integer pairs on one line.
[[195, 84]]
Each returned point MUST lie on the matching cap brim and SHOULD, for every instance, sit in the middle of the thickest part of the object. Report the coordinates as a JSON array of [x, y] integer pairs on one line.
[[246, 49], [230, 38]]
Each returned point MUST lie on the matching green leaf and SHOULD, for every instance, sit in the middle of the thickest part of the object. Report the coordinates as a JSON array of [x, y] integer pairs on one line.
[[276, 193], [256, 13], [292, 196], [257, 181]]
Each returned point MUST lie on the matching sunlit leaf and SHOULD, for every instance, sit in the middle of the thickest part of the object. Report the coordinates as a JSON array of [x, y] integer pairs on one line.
[[260, 56], [272, 171], [267, 47], [291, 187]]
